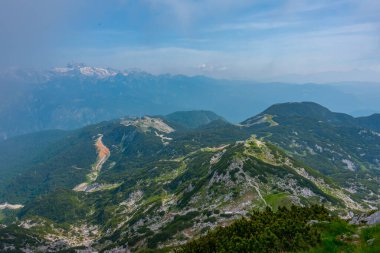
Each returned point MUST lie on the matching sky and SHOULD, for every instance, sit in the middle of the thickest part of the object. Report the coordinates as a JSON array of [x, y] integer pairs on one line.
[[237, 39]]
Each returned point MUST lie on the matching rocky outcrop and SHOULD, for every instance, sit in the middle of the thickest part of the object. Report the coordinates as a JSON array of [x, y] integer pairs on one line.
[[367, 219]]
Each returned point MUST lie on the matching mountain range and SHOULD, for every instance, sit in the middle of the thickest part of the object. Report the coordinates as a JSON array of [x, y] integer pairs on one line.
[[78, 95], [155, 182]]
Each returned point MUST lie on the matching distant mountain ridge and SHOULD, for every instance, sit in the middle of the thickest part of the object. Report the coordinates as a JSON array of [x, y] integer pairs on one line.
[[77, 95], [307, 109], [372, 121], [318, 112], [193, 119]]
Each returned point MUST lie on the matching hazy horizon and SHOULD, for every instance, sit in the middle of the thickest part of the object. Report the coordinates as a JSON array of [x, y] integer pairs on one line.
[[290, 41]]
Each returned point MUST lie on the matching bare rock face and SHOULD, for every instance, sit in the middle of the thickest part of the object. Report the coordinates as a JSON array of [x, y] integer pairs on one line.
[[369, 220], [373, 218], [145, 123]]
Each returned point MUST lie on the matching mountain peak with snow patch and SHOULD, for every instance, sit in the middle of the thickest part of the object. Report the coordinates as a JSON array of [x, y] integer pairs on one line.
[[89, 71]]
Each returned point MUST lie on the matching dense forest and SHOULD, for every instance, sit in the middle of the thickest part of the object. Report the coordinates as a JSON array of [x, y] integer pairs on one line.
[[294, 229]]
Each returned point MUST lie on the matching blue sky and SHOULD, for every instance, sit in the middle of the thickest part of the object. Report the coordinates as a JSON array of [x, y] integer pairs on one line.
[[259, 40]]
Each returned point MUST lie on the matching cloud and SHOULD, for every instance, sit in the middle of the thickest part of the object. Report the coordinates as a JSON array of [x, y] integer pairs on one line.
[[29, 28], [211, 68], [186, 13], [252, 26]]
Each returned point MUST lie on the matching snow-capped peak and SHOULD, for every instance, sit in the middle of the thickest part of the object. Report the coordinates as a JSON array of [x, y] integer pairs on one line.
[[86, 71], [98, 72]]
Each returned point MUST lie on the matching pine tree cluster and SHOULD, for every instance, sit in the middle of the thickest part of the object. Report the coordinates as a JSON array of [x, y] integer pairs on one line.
[[286, 230]]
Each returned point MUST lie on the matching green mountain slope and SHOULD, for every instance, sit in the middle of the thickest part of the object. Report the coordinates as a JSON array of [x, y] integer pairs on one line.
[[309, 110], [148, 183], [371, 122], [335, 144], [192, 119], [63, 163], [23, 150]]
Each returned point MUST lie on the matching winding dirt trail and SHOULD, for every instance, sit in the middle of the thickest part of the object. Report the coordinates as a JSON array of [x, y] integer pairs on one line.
[[256, 186]]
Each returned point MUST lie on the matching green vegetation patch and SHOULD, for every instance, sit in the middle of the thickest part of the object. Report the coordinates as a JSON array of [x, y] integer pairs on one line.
[[286, 230], [277, 200], [339, 236], [61, 206]]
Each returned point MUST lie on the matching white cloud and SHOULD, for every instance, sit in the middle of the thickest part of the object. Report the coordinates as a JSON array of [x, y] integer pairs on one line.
[[347, 29], [252, 26], [188, 12]]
